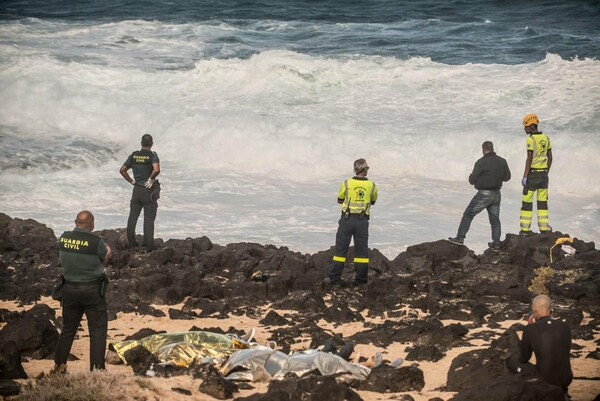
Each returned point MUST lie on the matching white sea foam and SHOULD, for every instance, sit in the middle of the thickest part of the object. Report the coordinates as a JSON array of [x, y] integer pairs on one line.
[[255, 148]]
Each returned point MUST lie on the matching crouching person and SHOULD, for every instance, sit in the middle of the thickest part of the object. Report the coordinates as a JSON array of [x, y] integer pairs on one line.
[[550, 340]]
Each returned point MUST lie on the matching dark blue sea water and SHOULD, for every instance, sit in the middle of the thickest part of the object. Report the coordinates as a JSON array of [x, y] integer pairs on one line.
[[452, 31]]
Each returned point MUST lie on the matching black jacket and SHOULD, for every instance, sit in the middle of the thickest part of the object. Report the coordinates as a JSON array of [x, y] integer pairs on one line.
[[489, 172]]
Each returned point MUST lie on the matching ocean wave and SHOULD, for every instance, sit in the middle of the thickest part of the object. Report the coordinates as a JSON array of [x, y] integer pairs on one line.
[[44, 152], [281, 109], [167, 45]]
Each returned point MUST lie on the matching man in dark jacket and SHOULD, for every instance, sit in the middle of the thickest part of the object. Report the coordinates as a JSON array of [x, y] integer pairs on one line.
[[487, 177]]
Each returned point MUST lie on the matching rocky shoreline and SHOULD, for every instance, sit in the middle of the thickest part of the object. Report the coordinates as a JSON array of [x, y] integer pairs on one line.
[[408, 297]]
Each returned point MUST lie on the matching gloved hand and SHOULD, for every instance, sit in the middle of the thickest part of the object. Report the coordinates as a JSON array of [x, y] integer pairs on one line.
[[149, 183], [524, 181]]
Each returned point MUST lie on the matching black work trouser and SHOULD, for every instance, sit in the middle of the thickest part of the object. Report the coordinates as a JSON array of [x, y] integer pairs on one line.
[[79, 299], [354, 226], [142, 198]]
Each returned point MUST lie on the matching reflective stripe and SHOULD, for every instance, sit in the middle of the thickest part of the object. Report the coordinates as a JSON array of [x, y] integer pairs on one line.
[[361, 260], [339, 259], [525, 219], [346, 203]]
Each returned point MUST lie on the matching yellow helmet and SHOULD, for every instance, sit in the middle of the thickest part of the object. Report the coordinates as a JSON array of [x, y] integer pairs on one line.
[[531, 119]]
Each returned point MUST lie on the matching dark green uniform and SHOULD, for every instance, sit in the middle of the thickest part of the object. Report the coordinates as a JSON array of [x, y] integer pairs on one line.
[[141, 162], [81, 254]]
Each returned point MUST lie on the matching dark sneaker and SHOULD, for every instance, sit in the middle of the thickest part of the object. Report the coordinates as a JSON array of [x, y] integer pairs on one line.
[[346, 351], [456, 240], [329, 346], [494, 246]]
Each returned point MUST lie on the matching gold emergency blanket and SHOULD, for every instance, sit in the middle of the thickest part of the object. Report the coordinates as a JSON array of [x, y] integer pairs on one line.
[[182, 348]]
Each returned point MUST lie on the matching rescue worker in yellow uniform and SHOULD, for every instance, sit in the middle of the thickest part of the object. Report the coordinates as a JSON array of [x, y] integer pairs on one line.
[[356, 195], [535, 177]]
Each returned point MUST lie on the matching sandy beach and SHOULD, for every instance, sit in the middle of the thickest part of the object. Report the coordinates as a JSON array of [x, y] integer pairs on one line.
[[129, 323]]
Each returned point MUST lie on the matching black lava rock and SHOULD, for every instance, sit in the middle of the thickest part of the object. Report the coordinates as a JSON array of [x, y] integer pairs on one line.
[[385, 378], [140, 360], [10, 362], [213, 383]]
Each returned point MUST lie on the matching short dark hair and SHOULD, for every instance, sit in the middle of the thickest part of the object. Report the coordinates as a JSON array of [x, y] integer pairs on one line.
[[487, 146], [147, 140]]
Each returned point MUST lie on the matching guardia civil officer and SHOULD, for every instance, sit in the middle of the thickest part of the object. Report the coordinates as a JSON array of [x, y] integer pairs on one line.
[[356, 195], [535, 176], [146, 191], [82, 255]]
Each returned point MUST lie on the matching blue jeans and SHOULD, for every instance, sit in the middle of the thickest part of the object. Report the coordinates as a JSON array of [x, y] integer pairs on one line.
[[483, 199]]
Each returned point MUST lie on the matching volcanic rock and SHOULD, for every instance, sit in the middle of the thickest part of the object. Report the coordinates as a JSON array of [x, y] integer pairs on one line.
[[176, 314], [447, 280], [143, 333], [594, 354], [18, 235], [9, 388], [181, 390], [213, 383], [10, 362], [140, 360], [508, 388], [33, 333], [432, 257], [311, 388], [286, 336], [424, 353], [339, 312], [484, 365], [7, 316], [385, 378], [301, 301], [390, 331], [274, 319]]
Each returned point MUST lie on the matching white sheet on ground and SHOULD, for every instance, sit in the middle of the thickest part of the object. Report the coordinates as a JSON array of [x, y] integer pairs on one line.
[[244, 364]]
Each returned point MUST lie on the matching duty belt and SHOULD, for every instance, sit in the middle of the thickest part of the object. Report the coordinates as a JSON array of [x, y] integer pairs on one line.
[[84, 283]]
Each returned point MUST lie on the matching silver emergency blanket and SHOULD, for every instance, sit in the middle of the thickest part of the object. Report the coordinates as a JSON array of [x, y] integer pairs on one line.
[[247, 364]]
